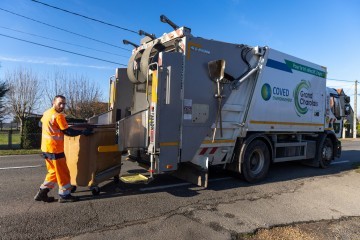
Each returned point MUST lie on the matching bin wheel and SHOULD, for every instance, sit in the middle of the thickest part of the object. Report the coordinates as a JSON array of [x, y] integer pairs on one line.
[[73, 188], [116, 179], [95, 191]]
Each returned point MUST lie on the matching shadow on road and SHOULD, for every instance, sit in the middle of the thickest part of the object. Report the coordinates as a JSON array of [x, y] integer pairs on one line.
[[221, 180]]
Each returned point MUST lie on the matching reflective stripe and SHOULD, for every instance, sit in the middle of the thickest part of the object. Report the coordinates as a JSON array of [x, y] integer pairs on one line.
[[203, 151], [47, 184], [66, 187], [63, 193], [53, 156], [65, 190], [53, 130], [53, 137]]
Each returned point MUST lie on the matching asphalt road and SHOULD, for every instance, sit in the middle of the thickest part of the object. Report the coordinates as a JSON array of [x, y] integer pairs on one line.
[[168, 208]]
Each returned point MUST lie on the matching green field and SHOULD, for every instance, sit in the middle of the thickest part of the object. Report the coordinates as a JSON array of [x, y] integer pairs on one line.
[[4, 137], [4, 149]]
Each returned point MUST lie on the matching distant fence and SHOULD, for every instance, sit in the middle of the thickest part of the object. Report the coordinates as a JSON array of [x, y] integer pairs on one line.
[[10, 139]]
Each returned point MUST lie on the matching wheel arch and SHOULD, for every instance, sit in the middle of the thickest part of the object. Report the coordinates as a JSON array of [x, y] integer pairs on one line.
[[335, 141], [251, 138], [336, 147]]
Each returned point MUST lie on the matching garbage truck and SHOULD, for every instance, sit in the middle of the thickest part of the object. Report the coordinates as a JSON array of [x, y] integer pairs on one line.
[[186, 103]]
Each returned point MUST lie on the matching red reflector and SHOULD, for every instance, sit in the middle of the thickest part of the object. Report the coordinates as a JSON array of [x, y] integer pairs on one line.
[[151, 171], [203, 151], [213, 150]]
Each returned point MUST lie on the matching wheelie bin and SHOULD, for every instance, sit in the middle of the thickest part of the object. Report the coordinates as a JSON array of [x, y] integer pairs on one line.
[[87, 166]]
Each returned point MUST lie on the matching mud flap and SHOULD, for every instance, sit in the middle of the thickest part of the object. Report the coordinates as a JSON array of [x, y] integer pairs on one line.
[[192, 173]]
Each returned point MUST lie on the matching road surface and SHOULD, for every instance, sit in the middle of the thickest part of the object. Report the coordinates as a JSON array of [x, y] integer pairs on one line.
[[171, 209]]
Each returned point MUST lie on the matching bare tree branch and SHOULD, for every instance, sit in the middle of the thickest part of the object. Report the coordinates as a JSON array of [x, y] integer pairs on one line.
[[24, 92], [82, 96], [3, 90]]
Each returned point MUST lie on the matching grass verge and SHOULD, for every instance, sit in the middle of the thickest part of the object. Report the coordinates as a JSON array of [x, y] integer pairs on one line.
[[19, 152]]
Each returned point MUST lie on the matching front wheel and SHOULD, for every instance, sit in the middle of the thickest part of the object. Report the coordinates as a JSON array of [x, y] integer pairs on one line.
[[326, 153], [256, 161]]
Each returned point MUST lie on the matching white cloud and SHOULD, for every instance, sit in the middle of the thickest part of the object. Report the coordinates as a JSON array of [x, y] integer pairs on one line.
[[47, 61]]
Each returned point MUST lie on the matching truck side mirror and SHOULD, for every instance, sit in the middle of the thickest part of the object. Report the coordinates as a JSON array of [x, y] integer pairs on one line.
[[344, 101], [216, 69], [347, 110], [347, 99]]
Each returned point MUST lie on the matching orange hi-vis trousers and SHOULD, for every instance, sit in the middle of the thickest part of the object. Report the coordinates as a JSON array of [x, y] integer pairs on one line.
[[58, 172]]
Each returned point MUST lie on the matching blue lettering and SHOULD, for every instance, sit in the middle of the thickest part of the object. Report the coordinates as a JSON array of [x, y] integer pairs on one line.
[[281, 91]]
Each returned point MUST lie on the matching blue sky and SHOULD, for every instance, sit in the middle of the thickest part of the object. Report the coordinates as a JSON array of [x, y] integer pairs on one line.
[[324, 32]]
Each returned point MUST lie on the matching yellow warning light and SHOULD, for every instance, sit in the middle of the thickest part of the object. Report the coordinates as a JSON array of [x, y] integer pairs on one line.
[[169, 166]]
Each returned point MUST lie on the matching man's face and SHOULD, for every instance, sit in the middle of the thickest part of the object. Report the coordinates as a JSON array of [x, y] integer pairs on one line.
[[59, 104]]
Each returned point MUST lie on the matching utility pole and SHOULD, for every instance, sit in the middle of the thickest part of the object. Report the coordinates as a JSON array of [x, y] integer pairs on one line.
[[355, 110]]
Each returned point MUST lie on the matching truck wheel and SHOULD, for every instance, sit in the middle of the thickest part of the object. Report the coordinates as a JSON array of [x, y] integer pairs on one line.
[[116, 179], [326, 153], [95, 190], [256, 161]]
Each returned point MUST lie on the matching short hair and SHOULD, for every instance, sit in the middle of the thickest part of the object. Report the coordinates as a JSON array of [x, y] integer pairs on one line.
[[59, 96]]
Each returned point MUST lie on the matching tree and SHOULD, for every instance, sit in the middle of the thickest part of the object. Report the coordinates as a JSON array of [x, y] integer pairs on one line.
[[24, 93], [82, 96], [3, 90], [55, 85]]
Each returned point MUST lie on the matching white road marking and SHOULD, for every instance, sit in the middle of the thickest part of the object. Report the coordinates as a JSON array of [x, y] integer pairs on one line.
[[339, 162], [21, 167]]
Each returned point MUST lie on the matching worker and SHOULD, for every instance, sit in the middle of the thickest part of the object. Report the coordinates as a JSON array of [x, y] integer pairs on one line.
[[54, 126]]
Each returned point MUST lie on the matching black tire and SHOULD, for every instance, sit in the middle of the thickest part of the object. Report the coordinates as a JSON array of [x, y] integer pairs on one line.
[[256, 162], [116, 179], [326, 153], [95, 191]]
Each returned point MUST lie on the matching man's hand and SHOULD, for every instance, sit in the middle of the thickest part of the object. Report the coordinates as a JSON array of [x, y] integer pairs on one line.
[[87, 132]]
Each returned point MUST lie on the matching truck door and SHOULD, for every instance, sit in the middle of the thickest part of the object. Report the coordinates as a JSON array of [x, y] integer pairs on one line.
[[169, 111]]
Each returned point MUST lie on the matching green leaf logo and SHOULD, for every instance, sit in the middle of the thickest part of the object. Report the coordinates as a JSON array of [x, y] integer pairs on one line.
[[300, 110], [266, 92]]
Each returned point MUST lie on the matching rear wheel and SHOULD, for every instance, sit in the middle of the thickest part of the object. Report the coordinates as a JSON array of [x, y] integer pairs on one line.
[[256, 161], [326, 153]]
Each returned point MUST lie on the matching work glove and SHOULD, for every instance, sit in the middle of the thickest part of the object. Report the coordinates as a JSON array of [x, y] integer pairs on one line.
[[87, 132]]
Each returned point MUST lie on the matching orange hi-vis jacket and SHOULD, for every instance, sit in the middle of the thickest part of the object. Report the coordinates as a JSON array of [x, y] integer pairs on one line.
[[52, 140]]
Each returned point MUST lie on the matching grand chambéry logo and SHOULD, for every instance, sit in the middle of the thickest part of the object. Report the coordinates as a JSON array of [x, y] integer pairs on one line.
[[303, 99]]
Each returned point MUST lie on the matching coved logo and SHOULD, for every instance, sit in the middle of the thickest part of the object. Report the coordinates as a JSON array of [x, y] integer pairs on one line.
[[275, 93], [303, 98]]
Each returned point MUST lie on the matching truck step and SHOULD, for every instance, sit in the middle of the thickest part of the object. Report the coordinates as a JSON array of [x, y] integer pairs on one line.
[[134, 178]]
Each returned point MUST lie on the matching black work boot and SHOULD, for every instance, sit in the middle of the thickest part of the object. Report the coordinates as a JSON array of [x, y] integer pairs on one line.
[[68, 198], [42, 196]]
